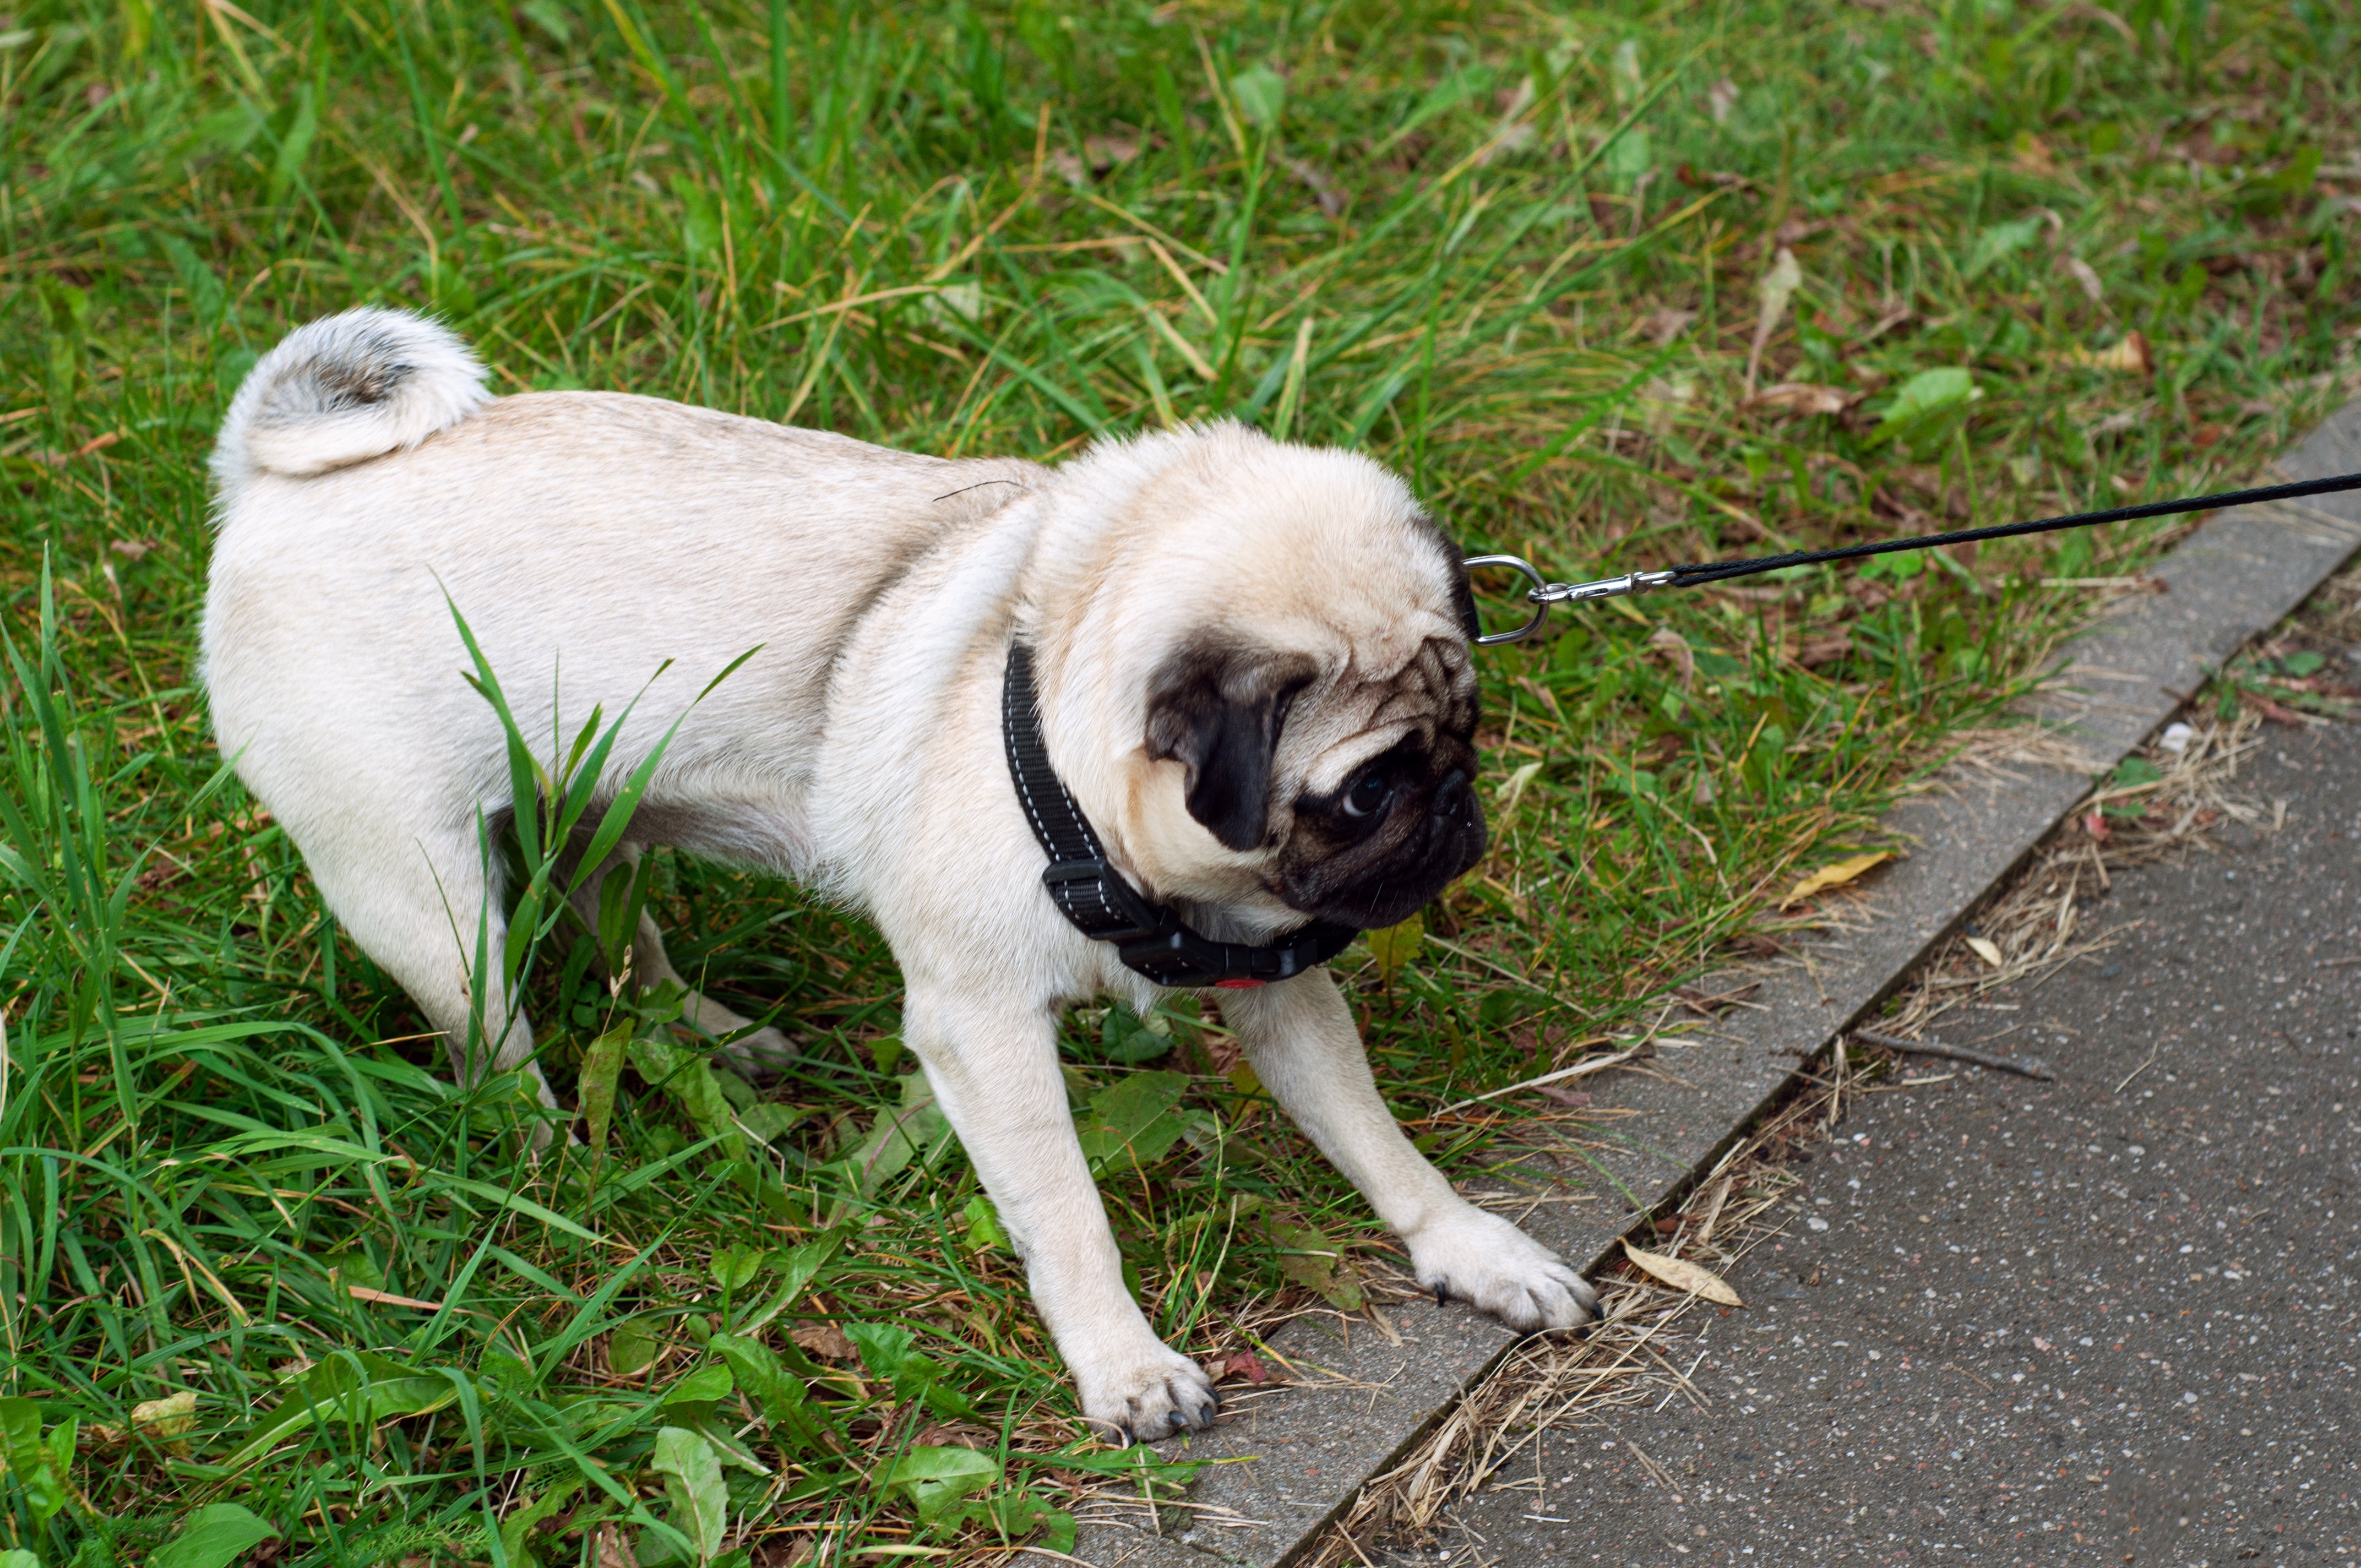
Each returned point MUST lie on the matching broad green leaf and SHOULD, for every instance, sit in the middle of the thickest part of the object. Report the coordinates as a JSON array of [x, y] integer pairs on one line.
[[1019, 1514], [794, 1421], [984, 1224], [704, 1386], [1134, 1121], [214, 1537], [1308, 1256], [1128, 1038], [516, 1528], [701, 1500], [1261, 94], [375, 1389], [602, 1065], [769, 1121], [685, 1075], [916, 1130], [887, 1350], [630, 1349], [1930, 391], [936, 1480], [884, 1347], [37, 1465], [735, 1265], [1999, 242]]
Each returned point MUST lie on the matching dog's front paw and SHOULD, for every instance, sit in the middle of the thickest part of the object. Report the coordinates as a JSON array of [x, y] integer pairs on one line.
[[1145, 1396], [1489, 1263]]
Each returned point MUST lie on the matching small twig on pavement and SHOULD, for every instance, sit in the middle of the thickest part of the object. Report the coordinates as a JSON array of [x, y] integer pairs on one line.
[[1956, 1053], [2143, 1067]]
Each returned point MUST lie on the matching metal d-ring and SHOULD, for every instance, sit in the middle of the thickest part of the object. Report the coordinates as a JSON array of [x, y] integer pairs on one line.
[[1541, 604]]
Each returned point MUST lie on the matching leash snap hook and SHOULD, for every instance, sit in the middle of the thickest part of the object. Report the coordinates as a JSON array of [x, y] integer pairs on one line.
[[1544, 593], [1540, 594]]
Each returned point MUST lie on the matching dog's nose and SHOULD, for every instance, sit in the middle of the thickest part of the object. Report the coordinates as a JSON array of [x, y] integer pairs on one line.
[[1454, 801], [1455, 823]]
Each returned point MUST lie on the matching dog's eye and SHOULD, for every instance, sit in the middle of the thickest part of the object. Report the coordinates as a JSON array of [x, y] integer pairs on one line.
[[1368, 794]]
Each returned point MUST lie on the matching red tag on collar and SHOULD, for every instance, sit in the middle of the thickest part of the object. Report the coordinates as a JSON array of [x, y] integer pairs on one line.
[[1238, 984]]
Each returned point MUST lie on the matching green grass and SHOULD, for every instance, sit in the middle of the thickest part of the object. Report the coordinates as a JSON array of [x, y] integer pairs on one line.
[[228, 1167]]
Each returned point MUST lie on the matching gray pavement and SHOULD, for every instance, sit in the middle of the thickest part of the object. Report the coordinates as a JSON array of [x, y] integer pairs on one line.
[[2080, 1322]]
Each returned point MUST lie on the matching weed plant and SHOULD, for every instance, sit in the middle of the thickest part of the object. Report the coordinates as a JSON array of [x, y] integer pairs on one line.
[[1614, 286]]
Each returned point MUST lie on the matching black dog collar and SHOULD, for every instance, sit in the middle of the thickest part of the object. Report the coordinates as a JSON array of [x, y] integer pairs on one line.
[[1092, 894]]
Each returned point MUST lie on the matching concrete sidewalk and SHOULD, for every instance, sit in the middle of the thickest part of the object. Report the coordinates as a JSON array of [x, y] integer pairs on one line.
[[2085, 1321]]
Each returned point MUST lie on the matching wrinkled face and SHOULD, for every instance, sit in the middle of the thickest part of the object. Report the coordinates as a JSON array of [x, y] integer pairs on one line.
[[1344, 773]]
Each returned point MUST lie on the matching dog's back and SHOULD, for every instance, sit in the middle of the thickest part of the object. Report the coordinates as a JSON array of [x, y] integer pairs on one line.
[[364, 475]]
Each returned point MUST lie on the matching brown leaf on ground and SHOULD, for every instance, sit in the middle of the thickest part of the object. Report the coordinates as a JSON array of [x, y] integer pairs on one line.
[[1825, 650], [2130, 355], [1103, 153], [1663, 326], [1683, 1275], [614, 1550], [824, 1340], [2084, 274], [1801, 398], [1837, 875], [1238, 1363]]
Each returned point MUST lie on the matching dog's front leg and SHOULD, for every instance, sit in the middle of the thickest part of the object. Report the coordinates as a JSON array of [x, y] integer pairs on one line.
[[993, 1065], [1300, 1036]]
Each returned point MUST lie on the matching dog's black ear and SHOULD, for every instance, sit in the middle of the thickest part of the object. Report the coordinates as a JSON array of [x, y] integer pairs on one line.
[[1218, 709]]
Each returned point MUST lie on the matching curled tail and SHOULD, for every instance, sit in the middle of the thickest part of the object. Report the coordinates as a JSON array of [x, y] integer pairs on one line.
[[343, 390]]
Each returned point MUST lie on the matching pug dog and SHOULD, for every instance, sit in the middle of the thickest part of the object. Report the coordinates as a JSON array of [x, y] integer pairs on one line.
[[1246, 671]]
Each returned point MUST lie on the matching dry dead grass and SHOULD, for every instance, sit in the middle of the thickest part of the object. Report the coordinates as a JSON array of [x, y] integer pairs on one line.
[[1557, 1381]]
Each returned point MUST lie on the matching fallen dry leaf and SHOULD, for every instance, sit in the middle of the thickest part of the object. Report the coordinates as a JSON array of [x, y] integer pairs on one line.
[[1238, 1363], [167, 1420], [1103, 153], [2131, 355], [1818, 651], [2085, 275], [1836, 875], [614, 1549], [1778, 285], [1801, 398], [1985, 949], [824, 1340], [1683, 1275], [388, 1298], [1663, 326]]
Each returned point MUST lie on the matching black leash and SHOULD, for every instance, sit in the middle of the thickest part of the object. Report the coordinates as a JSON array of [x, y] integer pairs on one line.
[[1544, 593], [1152, 940], [1092, 896]]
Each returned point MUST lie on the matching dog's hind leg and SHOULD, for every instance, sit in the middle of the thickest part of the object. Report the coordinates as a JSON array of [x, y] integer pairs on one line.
[[421, 903], [764, 1049]]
